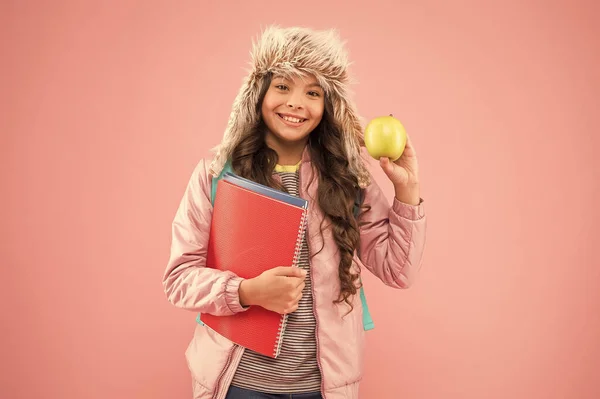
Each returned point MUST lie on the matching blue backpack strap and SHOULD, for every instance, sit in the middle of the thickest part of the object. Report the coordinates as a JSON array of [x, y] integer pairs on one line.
[[213, 188], [367, 320]]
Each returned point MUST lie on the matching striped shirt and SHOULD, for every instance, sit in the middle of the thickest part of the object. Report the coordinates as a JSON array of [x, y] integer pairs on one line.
[[295, 370]]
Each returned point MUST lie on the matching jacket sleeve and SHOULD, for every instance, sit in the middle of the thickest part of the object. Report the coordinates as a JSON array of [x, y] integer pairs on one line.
[[392, 239], [187, 282]]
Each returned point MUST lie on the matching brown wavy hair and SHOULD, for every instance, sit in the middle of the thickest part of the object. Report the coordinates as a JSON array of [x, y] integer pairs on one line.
[[337, 189]]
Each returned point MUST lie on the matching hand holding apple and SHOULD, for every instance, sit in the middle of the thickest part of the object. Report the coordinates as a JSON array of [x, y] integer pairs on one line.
[[387, 141]]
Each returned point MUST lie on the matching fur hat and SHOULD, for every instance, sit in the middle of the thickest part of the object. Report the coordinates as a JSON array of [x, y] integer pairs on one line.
[[299, 51]]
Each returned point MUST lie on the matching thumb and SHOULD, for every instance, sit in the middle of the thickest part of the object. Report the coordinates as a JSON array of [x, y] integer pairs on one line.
[[290, 271], [386, 165]]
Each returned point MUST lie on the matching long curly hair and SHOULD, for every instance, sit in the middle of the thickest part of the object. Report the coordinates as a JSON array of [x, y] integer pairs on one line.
[[253, 159]]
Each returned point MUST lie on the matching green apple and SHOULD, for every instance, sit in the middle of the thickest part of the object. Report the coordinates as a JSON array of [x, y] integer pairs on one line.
[[385, 137]]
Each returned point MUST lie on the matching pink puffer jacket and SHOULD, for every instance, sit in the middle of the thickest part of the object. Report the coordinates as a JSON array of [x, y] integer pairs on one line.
[[391, 246]]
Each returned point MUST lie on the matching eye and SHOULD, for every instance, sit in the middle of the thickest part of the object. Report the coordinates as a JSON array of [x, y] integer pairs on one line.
[[314, 93], [281, 87]]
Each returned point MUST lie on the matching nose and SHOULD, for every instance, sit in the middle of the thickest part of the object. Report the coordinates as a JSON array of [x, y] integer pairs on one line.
[[294, 100]]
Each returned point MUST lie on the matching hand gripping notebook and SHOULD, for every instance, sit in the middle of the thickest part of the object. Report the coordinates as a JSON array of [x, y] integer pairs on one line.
[[254, 228]]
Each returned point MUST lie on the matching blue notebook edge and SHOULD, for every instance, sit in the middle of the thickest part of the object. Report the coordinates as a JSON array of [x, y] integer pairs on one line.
[[265, 190]]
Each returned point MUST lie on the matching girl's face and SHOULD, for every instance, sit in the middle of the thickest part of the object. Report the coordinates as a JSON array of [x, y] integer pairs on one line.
[[291, 109]]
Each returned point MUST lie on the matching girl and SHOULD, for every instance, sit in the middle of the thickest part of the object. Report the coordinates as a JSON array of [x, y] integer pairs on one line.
[[293, 127]]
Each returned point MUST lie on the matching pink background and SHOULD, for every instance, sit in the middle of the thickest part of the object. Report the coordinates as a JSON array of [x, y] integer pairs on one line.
[[107, 108]]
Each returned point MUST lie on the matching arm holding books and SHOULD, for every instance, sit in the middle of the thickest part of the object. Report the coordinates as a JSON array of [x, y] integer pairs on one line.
[[187, 282], [190, 285]]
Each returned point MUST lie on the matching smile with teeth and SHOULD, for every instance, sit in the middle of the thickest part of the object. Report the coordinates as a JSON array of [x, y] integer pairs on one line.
[[291, 119]]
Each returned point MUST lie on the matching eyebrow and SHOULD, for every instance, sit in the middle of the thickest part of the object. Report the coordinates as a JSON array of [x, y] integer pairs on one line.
[[284, 79]]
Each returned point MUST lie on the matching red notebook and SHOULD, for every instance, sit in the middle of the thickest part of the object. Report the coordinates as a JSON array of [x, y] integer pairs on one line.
[[254, 228]]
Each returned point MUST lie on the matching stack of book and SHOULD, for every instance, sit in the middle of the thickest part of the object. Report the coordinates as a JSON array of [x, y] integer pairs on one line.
[[254, 228]]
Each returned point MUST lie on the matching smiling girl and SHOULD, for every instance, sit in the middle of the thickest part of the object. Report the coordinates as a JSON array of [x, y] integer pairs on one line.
[[293, 127]]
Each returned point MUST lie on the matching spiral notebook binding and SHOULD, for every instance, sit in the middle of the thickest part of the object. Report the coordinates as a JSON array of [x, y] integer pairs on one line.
[[300, 238]]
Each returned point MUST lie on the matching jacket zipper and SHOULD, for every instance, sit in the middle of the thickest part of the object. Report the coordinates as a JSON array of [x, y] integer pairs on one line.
[[218, 389], [312, 286], [218, 386]]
